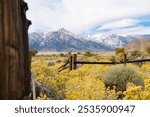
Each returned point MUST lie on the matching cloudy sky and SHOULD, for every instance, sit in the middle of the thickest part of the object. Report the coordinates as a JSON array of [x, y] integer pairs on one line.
[[90, 16]]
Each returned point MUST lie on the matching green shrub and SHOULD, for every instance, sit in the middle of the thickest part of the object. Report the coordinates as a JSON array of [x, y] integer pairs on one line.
[[119, 57], [88, 54], [112, 58], [148, 50], [61, 54], [33, 52], [135, 54], [78, 52], [69, 52], [119, 50], [97, 57], [119, 76], [119, 54]]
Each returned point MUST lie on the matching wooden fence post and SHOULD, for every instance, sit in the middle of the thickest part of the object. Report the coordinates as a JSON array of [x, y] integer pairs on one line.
[[74, 61], [14, 54], [125, 59], [70, 62]]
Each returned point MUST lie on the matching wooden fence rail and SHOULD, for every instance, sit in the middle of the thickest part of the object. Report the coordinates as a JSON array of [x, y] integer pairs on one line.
[[73, 62], [135, 61]]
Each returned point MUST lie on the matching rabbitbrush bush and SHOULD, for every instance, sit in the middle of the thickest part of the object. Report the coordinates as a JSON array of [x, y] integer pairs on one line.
[[119, 76], [87, 82]]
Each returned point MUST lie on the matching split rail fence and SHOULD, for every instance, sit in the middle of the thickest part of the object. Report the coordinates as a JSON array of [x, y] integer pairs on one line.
[[72, 62]]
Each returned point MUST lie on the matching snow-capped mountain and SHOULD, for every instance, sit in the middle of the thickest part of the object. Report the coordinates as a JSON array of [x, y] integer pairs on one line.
[[111, 40], [63, 40], [36, 40]]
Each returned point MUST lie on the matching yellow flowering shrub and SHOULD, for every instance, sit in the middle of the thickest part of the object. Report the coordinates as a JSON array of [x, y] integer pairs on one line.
[[84, 88], [146, 67], [111, 94], [85, 83], [42, 97], [45, 75], [147, 84], [136, 93], [146, 93], [132, 93], [72, 83], [145, 71]]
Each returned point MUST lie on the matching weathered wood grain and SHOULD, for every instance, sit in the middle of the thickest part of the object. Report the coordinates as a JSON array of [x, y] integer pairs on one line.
[[1, 46], [14, 50]]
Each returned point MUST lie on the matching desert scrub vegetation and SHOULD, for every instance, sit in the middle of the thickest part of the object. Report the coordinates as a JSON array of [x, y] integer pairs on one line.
[[92, 82], [33, 52], [119, 76], [88, 54], [131, 55], [147, 49], [134, 92]]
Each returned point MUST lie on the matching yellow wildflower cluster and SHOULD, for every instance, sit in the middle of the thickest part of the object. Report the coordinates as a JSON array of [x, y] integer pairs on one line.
[[85, 83], [84, 88], [42, 97], [132, 93], [111, 94], [145, 67], [137, 93]]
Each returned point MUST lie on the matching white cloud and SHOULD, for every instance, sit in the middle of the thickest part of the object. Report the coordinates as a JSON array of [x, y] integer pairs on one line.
[[120, 24], [135, 30], [130, 31], [81, 15]]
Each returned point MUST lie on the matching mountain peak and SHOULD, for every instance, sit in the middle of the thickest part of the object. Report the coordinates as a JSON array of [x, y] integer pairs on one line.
[[63, 30], [63, 40], [66, 32]]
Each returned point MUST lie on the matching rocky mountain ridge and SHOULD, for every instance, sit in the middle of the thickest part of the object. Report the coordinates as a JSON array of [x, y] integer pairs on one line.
[[63, 40]]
